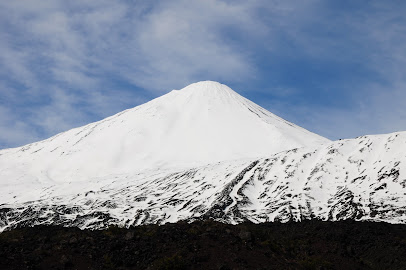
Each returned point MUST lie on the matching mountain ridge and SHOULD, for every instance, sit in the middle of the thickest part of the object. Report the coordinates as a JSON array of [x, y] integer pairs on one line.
[[360, 179]]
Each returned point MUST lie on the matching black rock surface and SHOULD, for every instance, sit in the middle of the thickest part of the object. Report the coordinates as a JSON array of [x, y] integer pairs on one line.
[[209, 245]]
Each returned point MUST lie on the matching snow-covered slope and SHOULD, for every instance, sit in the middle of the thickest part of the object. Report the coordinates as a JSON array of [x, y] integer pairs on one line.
[[203, 123], [200, 152], [362, 179]]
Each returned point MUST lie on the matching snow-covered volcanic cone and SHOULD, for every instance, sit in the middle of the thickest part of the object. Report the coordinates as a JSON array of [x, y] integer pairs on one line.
[[203, 123]]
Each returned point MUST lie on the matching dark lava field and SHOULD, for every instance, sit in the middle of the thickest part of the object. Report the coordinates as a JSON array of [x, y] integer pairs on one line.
[[209, 245]]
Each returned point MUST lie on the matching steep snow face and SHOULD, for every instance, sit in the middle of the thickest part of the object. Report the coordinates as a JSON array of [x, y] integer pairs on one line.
[[203, 123], [361, 179]]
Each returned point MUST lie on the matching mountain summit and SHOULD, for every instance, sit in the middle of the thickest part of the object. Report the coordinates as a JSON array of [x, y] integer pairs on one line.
[[203, 123]]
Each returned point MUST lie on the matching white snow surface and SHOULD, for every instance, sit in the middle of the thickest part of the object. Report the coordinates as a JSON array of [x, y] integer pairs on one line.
[[203, 123]]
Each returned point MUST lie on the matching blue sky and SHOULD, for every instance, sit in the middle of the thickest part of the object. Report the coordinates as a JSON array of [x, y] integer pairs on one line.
[[336, 68]]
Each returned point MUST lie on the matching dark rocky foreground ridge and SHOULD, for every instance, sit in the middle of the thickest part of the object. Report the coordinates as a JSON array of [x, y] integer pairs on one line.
[[209, 245]]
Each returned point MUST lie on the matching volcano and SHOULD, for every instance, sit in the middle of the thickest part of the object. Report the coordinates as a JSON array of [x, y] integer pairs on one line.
[[203, 123], [202, 152]]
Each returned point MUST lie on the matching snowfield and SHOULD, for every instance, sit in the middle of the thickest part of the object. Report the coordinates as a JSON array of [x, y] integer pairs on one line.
[[200, 152]]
